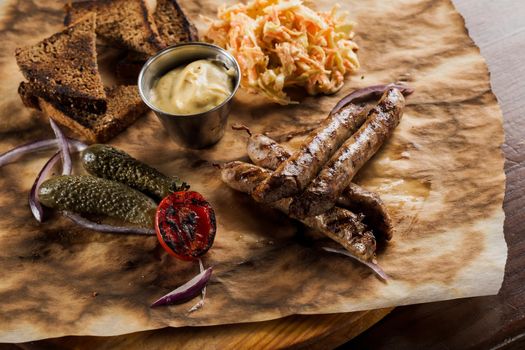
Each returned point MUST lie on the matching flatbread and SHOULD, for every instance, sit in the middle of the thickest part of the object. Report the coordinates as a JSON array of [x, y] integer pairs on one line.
[[441, 175]]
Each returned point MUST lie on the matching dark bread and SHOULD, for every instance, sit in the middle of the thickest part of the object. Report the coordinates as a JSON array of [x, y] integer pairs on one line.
[[124, 107], [128, 67], [63, 67], [173, 25], [27, 94], [125, 23]]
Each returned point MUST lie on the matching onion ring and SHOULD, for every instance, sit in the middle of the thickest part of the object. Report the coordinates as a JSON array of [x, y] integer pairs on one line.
[[67, 164], [375, 267], [34, 204], [35, 146], [368, 93], [83, 222], [187, 291]]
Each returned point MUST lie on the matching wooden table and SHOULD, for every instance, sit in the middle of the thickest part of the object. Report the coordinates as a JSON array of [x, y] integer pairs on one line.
[[497, 322]]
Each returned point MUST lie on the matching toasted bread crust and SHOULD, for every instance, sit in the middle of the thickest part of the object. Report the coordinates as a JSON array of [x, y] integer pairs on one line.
[[125, 23], [64, 66], [124, 107], [29, 99], [173, 24], [128, 67]]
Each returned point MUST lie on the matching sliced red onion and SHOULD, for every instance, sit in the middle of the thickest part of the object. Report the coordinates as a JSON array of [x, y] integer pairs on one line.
[[203, 293], [34, 203], [67, 165], [77, 219], [35, 146], [76, 145], [375, 267], [369, 92], [187, 291]]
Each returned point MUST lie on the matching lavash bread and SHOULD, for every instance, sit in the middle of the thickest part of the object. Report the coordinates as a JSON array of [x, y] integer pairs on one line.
[[63, 67], [124, 106]]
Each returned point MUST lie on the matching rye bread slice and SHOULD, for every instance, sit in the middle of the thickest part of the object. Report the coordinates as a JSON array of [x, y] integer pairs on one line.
[[27, 94], [64, 67], [128, 67], [125, 23], [124, 107], [173, 25]]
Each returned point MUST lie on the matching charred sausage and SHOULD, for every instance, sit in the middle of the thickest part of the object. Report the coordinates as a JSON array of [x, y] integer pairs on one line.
[[337, 174], [368, 203], [267, 153], [294, 174], [339, 224]]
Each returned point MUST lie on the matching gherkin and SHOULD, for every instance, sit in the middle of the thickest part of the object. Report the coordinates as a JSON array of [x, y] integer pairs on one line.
[[113, 164], [87, 194]]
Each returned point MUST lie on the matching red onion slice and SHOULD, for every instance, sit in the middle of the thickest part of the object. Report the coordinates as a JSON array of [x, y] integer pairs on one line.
[[67, 165], [35, 146], [76, 145], [83, 222], [369, 92], [203, 293], [187, 291], [34, 204], [375, 267]]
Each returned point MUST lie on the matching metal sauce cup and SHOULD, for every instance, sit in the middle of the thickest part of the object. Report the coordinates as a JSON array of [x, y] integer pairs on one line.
[[190, 130]]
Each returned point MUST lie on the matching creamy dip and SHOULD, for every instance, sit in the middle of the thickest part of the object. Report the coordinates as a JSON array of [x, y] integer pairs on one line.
[[194, 88]]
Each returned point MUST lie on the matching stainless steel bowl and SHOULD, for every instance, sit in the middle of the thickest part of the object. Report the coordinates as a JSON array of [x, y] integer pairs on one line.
[[190, 130]]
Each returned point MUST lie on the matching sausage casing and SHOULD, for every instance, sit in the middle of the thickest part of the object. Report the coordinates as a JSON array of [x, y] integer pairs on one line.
[[341, 225], [268, 153], [296, 172], [323, 192]]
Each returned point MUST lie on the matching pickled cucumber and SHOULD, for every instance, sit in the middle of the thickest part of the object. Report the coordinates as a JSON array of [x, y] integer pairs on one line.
[[113, 164], [86, 194]]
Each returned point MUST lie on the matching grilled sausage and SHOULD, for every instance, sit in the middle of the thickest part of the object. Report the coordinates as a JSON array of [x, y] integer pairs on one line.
[[294, 174], [337, 174], [339, 224], [361, 200], [267, 153]]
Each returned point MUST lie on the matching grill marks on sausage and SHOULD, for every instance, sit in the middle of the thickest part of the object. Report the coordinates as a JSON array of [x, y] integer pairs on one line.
[[322, 193], [267, 153], [376, 215], [296, 172], [315, 206], [341, 225]]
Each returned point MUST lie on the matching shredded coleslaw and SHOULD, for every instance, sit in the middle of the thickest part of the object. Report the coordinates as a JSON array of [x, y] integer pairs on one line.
[[283, 43]]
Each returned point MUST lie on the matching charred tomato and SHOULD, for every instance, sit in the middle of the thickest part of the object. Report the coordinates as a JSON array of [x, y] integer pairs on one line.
[[185, 224]]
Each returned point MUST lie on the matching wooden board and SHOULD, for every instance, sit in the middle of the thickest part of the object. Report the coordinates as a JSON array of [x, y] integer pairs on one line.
[[293, 332]]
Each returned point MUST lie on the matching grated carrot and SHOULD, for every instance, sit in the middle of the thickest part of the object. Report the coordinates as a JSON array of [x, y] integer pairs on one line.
[[283, 43]]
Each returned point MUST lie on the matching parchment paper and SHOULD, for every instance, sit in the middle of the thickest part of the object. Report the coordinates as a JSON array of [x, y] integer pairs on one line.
[[441, 176]]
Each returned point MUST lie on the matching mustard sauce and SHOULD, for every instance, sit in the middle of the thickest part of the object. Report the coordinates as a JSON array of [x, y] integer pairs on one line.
[[195, 88]]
